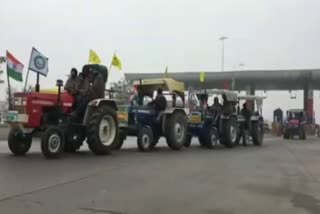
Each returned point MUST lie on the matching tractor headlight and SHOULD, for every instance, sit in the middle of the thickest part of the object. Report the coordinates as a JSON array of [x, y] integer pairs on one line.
[[24, 101], [16, 101], [20, 101]]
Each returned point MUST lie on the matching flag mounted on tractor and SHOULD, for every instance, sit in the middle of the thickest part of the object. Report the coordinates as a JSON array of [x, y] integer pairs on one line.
[[14, 67], [38, 62]]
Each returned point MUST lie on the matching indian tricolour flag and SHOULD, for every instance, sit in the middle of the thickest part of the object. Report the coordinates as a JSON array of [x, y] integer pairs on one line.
[[14, 67]]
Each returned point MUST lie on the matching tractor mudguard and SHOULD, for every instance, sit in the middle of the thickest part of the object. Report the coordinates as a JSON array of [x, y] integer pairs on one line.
[[96, 103]]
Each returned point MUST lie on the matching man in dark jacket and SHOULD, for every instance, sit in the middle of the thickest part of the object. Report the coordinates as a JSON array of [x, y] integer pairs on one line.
[[216, 105], [93, 88], [71, 84], [246, 113], [98, 87], [83, 84], [160, 102]]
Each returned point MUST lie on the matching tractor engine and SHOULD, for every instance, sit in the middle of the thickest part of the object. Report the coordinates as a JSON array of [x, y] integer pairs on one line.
[[29, 108]]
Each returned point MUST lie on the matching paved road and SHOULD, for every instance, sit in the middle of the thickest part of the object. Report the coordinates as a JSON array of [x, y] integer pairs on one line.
[[280, 177]]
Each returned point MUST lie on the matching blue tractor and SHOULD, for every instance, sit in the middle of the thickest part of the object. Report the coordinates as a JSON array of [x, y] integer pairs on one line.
[[216, 123], [140, 119]]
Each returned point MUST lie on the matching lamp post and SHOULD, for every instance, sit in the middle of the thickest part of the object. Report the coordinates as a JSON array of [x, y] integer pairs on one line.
[[222, 54]]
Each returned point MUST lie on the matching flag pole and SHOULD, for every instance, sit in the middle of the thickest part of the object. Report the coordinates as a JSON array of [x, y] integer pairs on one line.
[[25, 84], [27, 77], [9, 87], [37, 89], [110, 66]]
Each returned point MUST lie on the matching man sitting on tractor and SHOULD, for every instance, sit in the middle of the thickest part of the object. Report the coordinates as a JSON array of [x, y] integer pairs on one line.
[[159, 103], [92, 87], [72, 82], [216, 107]]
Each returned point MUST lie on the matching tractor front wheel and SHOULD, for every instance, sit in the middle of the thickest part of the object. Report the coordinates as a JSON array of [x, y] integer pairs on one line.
[[145, 139], [18, 142], [52, 142]]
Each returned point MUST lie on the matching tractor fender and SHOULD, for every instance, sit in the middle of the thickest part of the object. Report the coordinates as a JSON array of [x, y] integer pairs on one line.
[[99, 102], [96, 103], [173, 110]]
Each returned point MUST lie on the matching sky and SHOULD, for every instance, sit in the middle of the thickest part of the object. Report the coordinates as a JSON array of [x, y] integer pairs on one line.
[[149, 35]]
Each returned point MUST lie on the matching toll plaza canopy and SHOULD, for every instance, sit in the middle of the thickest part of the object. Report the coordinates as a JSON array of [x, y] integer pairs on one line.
[[298, 79]]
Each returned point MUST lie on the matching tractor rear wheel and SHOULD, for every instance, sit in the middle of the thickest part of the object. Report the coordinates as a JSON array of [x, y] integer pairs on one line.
[[19, 143], [177, 130], [145, 139], [102, 130], [257, 133], [229, 132], [52, 142]]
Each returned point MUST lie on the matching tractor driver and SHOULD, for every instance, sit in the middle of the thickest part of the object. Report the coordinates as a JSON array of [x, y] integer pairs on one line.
[[71, 84], [216, 107], [159, 103], [95, 90]]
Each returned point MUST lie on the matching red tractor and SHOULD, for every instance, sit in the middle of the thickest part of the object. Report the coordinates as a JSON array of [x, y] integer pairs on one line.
[[295, 124], [48, 116]]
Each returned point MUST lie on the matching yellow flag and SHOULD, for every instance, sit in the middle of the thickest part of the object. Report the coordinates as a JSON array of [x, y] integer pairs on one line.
[[94, 58], [202, 77], [116, 62], [166, 75]]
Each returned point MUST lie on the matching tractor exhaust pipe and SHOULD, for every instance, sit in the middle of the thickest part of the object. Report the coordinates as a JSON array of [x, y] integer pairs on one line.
[[59, 84]]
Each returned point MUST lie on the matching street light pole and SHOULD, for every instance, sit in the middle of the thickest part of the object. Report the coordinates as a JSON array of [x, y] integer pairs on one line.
[[222, 54]]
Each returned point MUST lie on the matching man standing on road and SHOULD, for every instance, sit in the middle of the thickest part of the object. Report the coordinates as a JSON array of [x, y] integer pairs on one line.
[[246, 113]]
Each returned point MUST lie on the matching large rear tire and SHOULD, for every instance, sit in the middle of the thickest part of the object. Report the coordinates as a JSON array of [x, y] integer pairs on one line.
[[229, 132], [145, 139], [19, 143], [257, 133], [177, 130], [52, 142], [102, 130]]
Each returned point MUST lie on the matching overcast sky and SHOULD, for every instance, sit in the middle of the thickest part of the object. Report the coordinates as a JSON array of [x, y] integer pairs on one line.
[[149, 35]]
